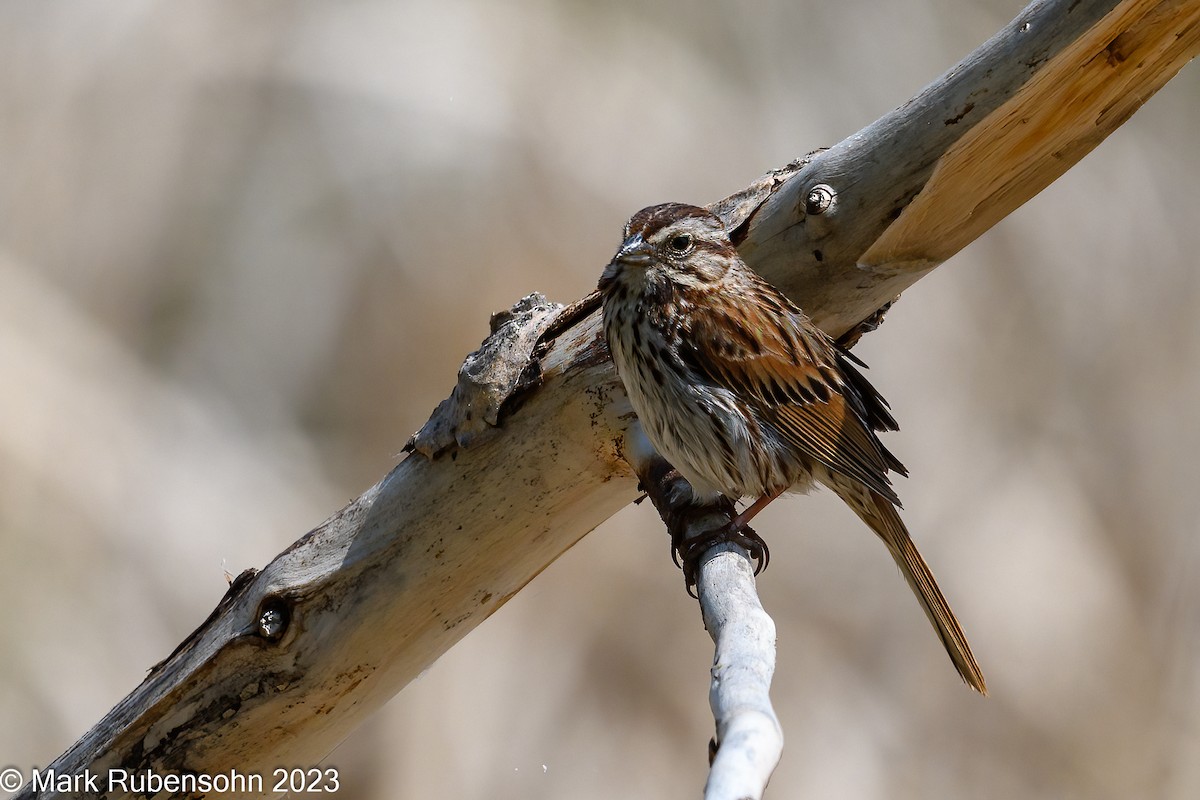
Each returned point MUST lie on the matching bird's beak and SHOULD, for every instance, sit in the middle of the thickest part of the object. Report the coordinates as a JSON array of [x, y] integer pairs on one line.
[[635, 251]]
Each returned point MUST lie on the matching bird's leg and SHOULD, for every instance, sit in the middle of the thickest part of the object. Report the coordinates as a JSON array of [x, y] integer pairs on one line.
[[743, 519], [736, 532]]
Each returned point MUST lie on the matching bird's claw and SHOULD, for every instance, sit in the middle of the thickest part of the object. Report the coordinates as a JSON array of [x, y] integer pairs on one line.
[[687, 552]]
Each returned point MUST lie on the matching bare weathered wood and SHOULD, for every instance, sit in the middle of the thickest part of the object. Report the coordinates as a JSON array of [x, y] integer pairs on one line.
[[921, 183], [749, 738], [526, 459]]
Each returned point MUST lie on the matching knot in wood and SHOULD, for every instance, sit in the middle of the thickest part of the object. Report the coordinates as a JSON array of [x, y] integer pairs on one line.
[[819, 199], [274, 616]]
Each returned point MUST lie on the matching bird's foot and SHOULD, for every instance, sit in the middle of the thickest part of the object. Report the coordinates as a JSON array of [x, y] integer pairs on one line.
[[687, 552]]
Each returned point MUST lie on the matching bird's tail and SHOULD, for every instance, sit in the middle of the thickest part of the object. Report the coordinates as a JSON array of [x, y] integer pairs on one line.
[[879, 513]]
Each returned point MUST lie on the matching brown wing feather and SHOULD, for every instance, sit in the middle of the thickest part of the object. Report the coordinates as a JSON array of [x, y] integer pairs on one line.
[[800, 382]]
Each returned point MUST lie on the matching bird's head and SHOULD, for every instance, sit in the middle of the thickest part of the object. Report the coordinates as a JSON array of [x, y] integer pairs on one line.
[[668, 246]]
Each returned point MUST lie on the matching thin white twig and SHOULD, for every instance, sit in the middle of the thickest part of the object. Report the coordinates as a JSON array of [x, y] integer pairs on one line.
[[749, 739]]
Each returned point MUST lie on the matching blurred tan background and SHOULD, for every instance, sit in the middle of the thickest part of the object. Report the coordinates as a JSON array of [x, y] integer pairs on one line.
[[245, 246]]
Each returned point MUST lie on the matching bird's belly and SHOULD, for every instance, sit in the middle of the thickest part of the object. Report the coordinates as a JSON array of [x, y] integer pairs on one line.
[[705, 431]]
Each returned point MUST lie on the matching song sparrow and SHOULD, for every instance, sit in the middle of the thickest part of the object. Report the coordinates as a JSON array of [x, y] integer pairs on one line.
[[745, 396]]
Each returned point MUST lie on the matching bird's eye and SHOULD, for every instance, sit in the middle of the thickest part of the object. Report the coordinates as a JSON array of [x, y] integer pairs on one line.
[[681, 243]]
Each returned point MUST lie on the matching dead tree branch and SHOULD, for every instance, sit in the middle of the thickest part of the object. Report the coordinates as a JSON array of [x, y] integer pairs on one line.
[[749, 738]]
